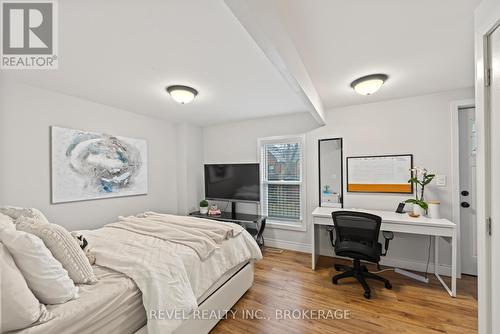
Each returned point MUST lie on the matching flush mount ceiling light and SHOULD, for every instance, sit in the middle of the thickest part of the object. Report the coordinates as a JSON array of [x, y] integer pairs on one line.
[[182, 94], [369, 84]]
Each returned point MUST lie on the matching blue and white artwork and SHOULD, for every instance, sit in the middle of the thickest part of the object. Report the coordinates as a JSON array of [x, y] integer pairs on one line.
[[87, 165]]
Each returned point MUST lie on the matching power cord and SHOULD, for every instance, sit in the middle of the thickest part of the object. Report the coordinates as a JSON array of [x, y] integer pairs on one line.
[[381, 271]]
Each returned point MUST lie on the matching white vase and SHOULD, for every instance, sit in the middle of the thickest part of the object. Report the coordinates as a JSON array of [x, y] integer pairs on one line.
[[417, 210], [203, 210]]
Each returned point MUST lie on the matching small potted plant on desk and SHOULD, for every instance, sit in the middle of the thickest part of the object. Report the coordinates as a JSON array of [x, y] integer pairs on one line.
[[419, 179], [204, 207]]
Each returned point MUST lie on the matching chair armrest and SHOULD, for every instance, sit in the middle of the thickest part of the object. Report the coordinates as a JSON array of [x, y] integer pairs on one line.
[[330, 230], [388, 236]]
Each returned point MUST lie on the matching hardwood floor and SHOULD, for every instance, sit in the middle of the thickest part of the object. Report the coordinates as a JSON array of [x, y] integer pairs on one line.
[[286, 282]]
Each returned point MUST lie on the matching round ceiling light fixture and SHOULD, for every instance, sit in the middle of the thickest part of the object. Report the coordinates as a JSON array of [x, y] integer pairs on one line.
[[182, 94], [369, 84]]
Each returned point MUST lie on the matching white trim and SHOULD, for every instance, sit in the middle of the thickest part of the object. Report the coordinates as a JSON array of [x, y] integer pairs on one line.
[[455, 106], [487, 18], [296, 226], [299, 225], [288, 245]]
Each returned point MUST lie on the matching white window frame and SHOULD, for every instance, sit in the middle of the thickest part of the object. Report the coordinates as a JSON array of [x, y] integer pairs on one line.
[[299, 225]]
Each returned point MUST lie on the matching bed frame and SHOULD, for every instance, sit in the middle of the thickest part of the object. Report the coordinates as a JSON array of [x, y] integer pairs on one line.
[[221, 299]]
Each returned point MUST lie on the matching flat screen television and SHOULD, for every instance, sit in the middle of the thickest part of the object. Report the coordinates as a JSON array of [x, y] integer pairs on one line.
[[232, 182]]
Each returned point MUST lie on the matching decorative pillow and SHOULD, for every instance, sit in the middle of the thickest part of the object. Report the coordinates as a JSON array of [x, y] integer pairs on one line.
[[20, 308], [15, 212], [46, 277], [64, 248], [6, 222]]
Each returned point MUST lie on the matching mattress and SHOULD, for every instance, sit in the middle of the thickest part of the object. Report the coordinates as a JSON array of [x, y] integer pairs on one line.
[[114, 304]]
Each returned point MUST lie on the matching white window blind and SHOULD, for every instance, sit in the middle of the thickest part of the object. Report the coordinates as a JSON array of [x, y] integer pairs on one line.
[[281, 178]]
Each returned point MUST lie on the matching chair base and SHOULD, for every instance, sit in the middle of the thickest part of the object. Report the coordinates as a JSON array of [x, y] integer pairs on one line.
[[361, 273]]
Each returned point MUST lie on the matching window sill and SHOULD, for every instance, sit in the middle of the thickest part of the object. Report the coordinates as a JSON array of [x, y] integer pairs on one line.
[[276, 224]]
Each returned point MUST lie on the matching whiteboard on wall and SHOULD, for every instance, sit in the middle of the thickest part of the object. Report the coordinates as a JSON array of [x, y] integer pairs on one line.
[[380, 174]]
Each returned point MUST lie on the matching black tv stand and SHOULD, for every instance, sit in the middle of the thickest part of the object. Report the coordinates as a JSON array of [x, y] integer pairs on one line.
[[256, 230]]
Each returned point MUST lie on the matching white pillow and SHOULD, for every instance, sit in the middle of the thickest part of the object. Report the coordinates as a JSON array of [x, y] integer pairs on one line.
[[15, 212], [63, 247], [6, 222], [46, 277], [19, 307]]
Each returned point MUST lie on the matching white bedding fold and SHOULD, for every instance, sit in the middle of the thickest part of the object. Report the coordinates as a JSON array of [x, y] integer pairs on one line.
[[202, 235]]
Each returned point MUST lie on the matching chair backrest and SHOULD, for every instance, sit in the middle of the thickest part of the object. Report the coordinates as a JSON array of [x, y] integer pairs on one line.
[[356, 226]]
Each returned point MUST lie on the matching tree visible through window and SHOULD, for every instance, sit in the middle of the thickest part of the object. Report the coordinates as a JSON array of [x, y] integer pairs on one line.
[[282, 178]]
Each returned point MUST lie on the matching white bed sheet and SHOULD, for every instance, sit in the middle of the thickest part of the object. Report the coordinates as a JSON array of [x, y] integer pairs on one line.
[[114, 304]]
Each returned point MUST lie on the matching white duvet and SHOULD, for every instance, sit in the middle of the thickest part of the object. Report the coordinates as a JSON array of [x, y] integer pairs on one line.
[[170, 275]]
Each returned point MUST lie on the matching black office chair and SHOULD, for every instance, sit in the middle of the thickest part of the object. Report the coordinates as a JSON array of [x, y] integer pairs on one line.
[[357, 238]]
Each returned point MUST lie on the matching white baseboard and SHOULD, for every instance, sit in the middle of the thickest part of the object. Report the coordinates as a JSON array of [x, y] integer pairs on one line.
[[290, 245], [408, 264]]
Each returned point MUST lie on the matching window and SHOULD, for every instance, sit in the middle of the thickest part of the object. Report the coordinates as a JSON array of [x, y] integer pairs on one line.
[[282, 180]]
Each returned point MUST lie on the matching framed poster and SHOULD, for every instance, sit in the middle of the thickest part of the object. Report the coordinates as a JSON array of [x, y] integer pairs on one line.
[[380, 174], [88, 165]]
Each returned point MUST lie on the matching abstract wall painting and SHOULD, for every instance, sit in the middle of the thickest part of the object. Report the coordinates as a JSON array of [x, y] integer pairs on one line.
[[87, 165]]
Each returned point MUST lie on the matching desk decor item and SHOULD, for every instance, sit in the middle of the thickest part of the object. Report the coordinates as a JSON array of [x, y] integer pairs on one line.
[[433, 211], [204, 207], [420, 177], [88, 165], [214, 211]]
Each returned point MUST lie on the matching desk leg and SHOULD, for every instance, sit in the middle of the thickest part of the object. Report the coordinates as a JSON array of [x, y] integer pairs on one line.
[[454, 266], [315, 246], [436, 255], [453, 290]]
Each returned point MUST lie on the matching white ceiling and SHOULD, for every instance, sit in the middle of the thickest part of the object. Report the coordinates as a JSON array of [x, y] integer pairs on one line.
[[424, 46], [124, 53]]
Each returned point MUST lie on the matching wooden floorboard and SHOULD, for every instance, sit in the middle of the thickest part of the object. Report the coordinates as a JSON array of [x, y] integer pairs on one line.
[[286, 282]]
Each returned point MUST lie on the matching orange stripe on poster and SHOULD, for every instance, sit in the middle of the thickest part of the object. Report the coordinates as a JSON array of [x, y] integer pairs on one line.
[[380, 188]]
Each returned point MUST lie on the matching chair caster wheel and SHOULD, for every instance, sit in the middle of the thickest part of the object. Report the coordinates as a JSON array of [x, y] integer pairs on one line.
[[388, 285], [334, 281], [367, 295]]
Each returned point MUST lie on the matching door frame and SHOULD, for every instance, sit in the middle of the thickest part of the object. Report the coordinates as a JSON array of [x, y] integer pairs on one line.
[[455, 107], [487, 19]]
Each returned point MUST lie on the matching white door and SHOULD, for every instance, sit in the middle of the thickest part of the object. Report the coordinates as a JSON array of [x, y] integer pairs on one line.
[[495, 176], [468, 226]]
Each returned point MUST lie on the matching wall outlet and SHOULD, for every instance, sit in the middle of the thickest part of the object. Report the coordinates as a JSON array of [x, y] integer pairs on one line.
[[441, 180]]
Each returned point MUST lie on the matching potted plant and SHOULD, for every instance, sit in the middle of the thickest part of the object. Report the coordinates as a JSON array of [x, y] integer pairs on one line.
[[204, 207], [419, 179]]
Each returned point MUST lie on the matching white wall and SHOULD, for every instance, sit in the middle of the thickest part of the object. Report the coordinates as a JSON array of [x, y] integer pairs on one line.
[[189, 167], [26, 113], [418, 125]]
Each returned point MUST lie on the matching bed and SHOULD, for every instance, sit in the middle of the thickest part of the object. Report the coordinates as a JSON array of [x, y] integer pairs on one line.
[[118, 304]]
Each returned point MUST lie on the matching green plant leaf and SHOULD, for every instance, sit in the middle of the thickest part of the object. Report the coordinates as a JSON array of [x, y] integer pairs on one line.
[[422, 204]]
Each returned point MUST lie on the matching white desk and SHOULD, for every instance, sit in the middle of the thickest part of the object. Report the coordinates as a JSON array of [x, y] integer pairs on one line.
[[402, 223]]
